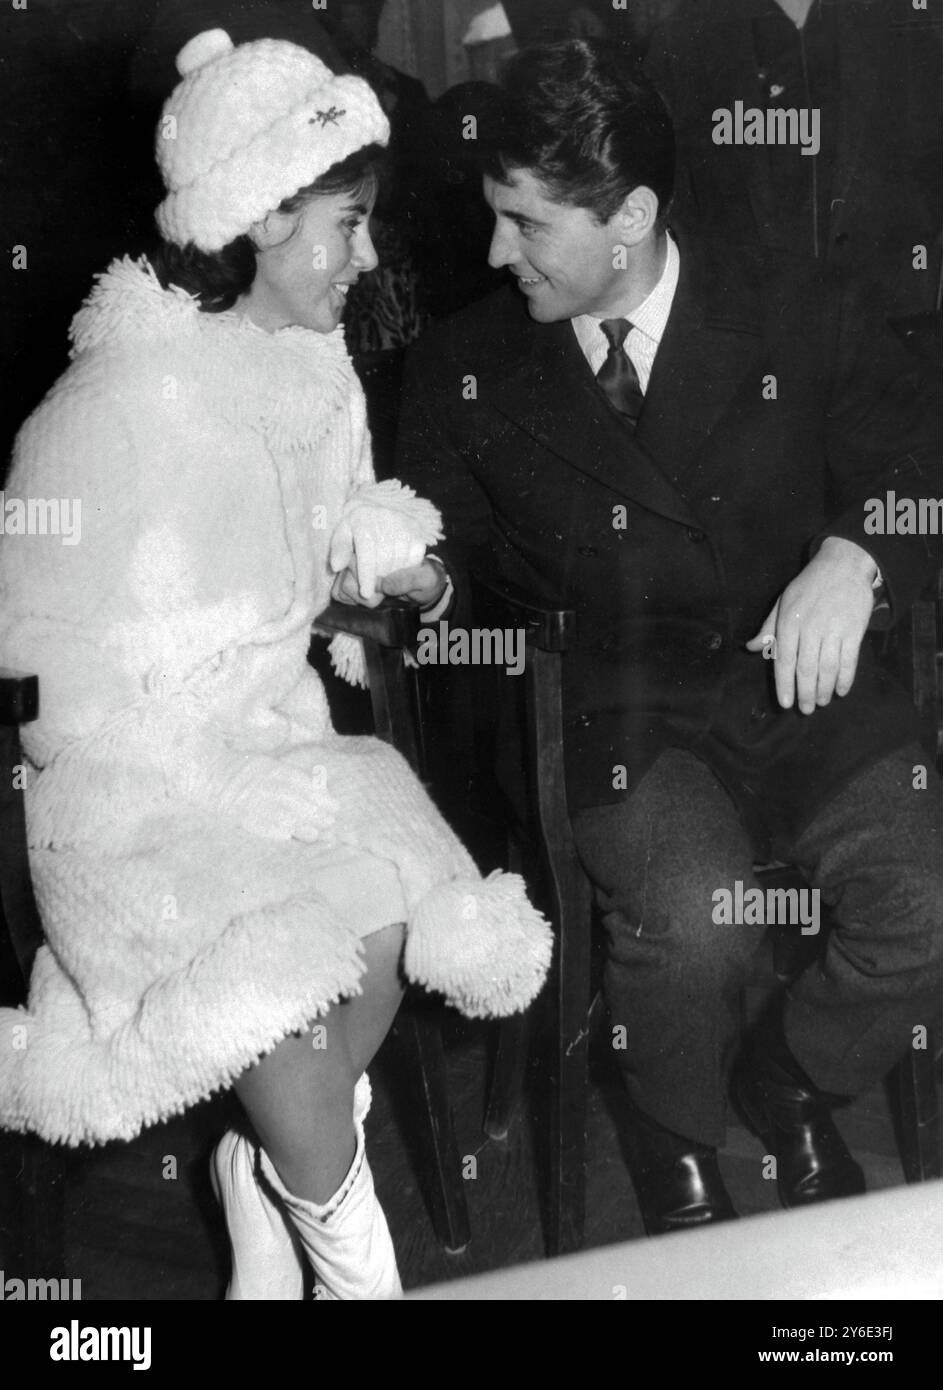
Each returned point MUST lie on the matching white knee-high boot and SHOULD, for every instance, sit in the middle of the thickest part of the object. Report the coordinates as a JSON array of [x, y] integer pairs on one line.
[[347, 1239], [266, 1260]]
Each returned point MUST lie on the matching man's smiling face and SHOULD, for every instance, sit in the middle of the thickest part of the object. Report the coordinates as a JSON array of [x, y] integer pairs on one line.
[[565, 261]]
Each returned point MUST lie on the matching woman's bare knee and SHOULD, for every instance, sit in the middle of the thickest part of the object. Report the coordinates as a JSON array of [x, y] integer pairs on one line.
[[368, 1016], [299, 1097]]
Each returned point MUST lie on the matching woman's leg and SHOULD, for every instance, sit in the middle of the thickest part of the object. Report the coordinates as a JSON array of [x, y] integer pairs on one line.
[[300, 1097], [314, 1169], [369, 1016]]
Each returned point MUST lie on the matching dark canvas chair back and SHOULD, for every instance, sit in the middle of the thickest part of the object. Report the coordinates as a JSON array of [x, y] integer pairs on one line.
[[19, 703]]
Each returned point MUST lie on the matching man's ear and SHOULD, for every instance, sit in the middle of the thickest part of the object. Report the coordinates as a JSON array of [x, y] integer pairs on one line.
[[271, 230], [637, 215]]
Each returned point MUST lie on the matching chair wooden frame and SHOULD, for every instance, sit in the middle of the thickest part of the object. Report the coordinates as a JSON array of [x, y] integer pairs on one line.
[[567, 900], [388, 632]]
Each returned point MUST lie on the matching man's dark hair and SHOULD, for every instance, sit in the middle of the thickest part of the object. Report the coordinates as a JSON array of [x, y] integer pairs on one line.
[[584, 119]]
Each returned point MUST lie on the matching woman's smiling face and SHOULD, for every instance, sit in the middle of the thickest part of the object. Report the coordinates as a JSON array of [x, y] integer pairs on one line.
[[307, 260]]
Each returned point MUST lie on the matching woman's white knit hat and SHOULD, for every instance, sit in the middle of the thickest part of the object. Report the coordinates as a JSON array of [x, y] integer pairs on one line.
[[247, 127]]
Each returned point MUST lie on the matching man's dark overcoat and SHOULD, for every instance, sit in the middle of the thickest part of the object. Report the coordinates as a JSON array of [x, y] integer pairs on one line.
[[778, 406]]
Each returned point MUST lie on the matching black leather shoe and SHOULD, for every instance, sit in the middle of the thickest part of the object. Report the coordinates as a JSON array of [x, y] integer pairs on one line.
[[792, 1117], [677, 1181]]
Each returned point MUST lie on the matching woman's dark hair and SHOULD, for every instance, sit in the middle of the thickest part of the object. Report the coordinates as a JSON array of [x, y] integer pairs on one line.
[[584, 119], [219, 278]]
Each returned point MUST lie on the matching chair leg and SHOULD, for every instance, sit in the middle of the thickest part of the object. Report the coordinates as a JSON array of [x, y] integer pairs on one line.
[[394, 697], [441, 1165], [507, 1082], [570, 1032], [514, 1035], [915, 1077]]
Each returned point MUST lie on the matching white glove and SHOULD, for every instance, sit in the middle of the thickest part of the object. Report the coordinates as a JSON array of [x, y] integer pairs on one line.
[[387, 527]]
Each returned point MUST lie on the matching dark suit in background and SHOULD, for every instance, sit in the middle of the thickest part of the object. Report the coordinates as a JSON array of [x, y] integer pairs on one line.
[[875, 190]]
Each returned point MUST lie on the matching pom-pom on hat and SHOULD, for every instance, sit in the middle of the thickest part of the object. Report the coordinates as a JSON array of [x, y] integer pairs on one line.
[[247, 127]]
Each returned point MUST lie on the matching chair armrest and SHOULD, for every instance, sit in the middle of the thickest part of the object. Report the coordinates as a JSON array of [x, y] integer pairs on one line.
[[393, 623], [19, 697], [388, 631], [550, 629]]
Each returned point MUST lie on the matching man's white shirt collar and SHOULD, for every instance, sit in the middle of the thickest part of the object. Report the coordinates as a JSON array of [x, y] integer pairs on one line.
[[649, 321]]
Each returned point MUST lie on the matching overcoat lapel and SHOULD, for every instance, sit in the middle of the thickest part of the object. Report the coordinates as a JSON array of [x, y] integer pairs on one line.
[[553, 395], [712, 342]]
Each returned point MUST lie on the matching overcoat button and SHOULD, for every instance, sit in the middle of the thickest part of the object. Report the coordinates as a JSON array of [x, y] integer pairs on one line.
[[695, 535], [714, 642], [589, 551]]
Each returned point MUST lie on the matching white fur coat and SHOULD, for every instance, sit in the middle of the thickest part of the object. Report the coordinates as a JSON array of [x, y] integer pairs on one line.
[[184, 757]]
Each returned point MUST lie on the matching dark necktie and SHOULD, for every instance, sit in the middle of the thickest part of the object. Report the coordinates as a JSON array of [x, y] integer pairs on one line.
[[617, 376]]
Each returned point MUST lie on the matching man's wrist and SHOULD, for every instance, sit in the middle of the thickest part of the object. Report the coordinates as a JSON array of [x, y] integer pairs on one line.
[[851, 553], [431, 612]]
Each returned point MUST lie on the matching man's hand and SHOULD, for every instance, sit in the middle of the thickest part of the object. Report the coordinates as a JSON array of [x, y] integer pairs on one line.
[[384, 527], [818, 623], [422, 584], [346, 587]]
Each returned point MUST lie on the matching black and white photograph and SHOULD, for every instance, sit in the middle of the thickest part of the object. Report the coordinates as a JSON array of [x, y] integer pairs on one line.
[[471, 623]]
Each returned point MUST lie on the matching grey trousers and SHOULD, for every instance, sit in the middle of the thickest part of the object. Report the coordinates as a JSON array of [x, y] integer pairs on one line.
[[657, 862]]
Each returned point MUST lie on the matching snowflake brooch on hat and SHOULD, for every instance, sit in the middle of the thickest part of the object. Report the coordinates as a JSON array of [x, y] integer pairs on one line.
[[329, 117]]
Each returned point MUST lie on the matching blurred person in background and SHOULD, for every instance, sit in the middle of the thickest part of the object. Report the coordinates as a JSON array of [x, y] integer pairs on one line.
[[870, 200]]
